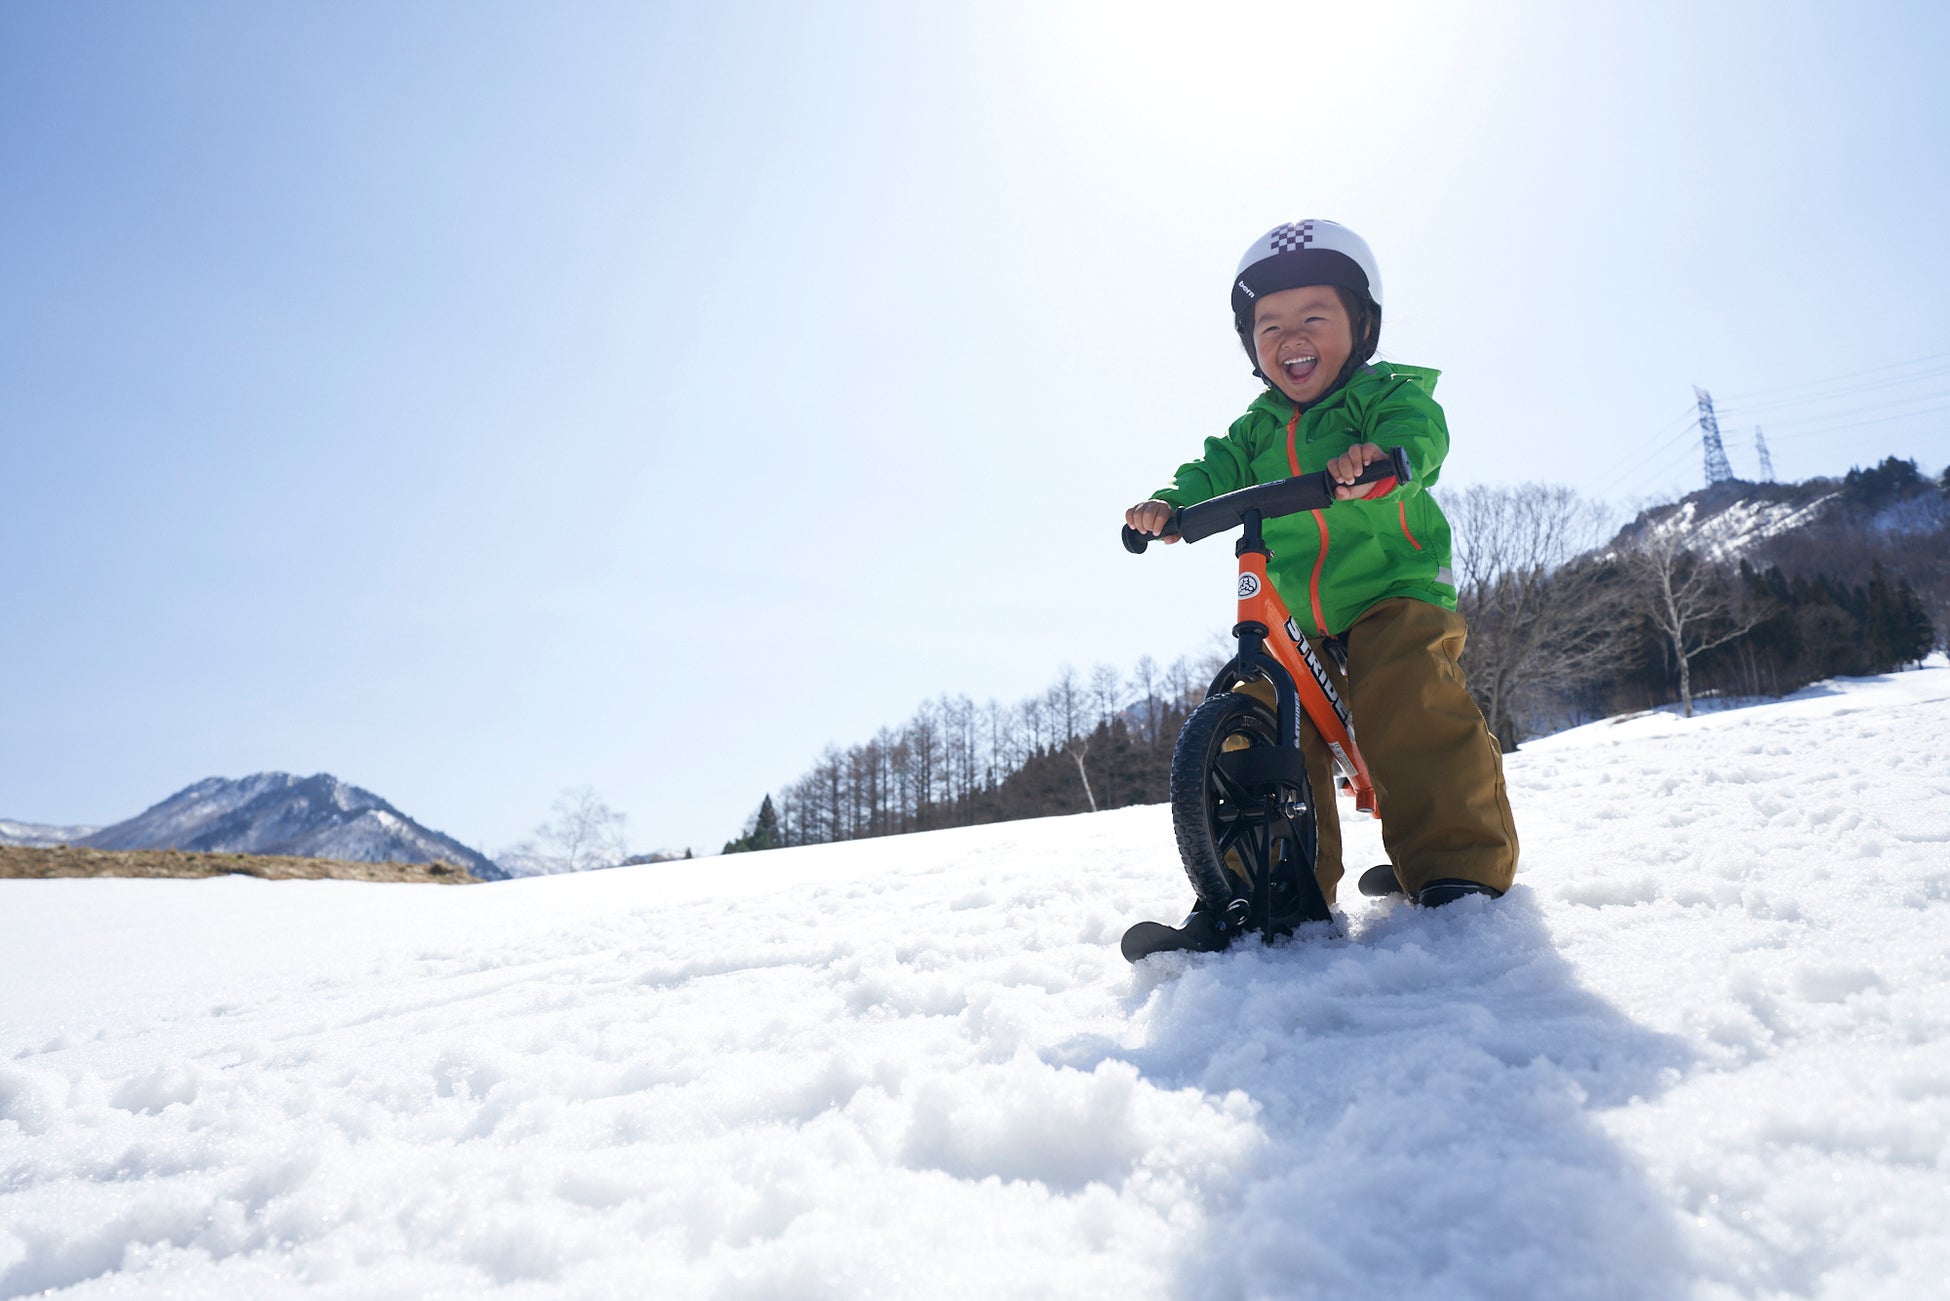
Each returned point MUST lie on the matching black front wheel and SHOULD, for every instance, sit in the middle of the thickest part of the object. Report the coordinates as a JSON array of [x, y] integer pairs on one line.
[[1243, 813]]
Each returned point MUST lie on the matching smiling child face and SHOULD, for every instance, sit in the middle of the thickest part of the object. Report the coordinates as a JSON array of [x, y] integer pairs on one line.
[[1302, 338]]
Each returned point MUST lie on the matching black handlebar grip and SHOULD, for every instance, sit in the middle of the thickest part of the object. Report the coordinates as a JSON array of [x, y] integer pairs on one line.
[[1396, 465], [1135, 542], [1392, 466]]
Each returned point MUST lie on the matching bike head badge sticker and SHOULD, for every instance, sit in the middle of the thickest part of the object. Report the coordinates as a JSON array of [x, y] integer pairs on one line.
[[1248, 586]]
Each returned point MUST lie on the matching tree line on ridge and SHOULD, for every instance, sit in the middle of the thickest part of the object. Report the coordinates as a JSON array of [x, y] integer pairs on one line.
[[1565, 626]]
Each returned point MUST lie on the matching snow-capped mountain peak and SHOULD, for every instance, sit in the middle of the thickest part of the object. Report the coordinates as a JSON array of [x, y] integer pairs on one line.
[[279, 813]]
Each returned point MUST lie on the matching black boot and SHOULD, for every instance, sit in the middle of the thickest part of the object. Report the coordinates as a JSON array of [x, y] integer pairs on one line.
[[1437, 893], [1379, 882]]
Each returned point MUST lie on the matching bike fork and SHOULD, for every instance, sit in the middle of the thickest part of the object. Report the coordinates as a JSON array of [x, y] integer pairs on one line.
[[1286, 859]]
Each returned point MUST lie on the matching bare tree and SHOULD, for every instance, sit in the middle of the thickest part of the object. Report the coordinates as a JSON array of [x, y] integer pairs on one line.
[[924, 760], [1034, 721], [1065, 701], [1145, 679], [831, 776], [900, 779], [585, 833], [1185, 681], [859, 791], [1694, 604], [1002, 734], [1078, 748], [1106, 692], [1538, 618], [961, 752], [887, 785], [791, 830]]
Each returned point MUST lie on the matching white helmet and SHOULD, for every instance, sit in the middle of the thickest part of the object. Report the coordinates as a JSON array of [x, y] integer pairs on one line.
[[1307, 253]]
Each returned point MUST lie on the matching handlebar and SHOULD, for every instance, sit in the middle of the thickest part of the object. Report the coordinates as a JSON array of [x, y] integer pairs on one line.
[[1303, 492]]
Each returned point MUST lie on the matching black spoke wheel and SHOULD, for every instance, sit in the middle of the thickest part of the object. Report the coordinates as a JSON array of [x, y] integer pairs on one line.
[[1229, 833]]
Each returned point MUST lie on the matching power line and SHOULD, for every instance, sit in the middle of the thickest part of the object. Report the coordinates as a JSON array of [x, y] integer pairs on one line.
[[1840, 377], [1913, 404], [1853, 422], [1683, 432], [1838, 393]]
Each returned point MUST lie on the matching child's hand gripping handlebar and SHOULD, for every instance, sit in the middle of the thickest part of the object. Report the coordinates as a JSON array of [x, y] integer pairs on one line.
[[1282, 497]]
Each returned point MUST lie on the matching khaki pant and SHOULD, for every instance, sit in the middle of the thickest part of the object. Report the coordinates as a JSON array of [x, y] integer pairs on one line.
[[1438, 774]]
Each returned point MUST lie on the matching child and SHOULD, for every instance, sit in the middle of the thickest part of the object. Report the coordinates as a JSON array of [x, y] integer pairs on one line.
[[1372, 571]]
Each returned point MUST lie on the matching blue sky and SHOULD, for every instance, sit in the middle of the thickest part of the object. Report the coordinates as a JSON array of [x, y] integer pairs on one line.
[[477, 400]]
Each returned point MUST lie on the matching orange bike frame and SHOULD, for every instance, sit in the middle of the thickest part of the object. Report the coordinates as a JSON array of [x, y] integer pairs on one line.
[[1260, 604]]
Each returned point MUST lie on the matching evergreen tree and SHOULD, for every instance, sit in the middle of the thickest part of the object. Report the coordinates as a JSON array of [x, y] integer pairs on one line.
[[1901, 632], [1897, 626], [762, 832], [1877, 487]]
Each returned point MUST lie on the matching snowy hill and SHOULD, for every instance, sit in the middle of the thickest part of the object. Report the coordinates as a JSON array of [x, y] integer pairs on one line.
[[1703, 1049], [277, 813], [1729, 521], [1725, 530], [38, 835]]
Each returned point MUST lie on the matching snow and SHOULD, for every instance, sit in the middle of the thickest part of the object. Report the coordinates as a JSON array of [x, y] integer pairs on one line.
[[1702, 1050], [40, 834], [1730, 533]]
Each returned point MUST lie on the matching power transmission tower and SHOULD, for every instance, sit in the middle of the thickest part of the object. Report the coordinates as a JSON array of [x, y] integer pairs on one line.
[[1766, 461], [1717, 466]]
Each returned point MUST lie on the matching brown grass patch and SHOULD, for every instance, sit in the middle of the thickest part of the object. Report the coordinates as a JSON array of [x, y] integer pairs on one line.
[[19, 862]]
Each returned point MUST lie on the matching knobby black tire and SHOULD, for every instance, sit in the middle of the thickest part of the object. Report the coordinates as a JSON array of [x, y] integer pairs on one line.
[[1210, 817]]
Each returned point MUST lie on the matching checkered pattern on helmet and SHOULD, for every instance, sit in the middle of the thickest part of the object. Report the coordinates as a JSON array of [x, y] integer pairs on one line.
[[1293, 235]]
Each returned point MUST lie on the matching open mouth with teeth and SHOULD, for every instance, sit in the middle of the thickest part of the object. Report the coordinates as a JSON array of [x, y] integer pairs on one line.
[[1300, 369]]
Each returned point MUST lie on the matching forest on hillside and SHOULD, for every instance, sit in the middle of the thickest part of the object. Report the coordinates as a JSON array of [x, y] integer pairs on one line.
[[1568, 621]]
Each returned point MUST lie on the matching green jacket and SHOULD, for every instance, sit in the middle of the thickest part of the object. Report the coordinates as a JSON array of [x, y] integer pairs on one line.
[[1330, 566]]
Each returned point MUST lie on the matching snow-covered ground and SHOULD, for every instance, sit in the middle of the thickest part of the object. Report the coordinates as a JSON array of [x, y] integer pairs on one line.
[[1702, 1050]]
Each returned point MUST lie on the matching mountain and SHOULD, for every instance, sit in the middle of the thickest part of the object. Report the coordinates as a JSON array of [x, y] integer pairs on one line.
[[1735, 520], [277, 813], [1730, 519], [37, 835], [1828, 545]]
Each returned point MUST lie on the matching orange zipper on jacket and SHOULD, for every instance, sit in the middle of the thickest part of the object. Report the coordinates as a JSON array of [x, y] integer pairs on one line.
[[1401, 507], [1320, 519]]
